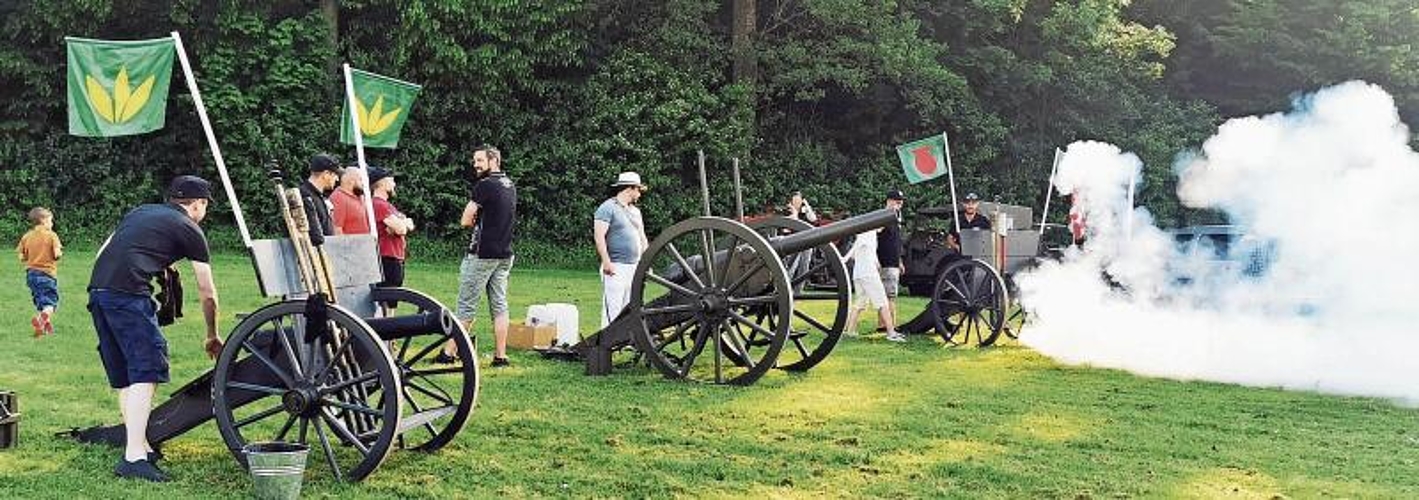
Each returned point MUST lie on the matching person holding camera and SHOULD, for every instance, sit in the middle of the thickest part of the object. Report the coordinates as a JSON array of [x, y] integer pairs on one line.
[[798, 208]]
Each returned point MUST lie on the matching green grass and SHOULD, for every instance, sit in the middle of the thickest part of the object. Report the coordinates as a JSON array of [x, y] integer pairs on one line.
[[876, 419]]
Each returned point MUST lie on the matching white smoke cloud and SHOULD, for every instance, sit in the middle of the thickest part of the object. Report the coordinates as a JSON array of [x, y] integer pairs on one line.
[[1322, 294]]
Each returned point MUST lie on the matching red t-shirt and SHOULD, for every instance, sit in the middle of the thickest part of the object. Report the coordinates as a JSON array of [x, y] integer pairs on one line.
[[390, 244], [348, 213]]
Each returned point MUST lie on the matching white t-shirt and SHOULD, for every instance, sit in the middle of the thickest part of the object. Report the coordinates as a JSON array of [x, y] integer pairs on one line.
[[864, 255]]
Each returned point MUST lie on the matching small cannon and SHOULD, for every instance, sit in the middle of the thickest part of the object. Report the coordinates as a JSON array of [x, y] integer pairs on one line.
[[715, 300], [321, 367]]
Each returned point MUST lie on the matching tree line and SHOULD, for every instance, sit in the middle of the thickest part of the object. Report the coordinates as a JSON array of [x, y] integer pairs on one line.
[[810, 95]]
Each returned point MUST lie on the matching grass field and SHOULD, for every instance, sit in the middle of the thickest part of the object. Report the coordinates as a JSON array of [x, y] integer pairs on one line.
[[875, 420]]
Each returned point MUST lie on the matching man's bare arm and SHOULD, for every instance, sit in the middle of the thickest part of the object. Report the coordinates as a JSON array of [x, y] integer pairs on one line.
[[470, 214], [207, 291]]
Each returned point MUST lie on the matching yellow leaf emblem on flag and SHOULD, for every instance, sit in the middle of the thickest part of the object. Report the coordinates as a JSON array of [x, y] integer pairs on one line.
[[125, 102], [375, 120]]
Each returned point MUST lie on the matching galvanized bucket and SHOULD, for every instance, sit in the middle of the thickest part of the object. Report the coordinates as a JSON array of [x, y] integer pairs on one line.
[[276, 469]]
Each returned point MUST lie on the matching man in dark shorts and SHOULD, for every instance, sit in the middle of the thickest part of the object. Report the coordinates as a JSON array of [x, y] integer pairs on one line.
[[491, 213], [134, 353]]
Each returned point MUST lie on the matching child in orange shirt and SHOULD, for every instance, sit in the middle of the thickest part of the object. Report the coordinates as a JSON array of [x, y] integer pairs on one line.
[[40, 250]]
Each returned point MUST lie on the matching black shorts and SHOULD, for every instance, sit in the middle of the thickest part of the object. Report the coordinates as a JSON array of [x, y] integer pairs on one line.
[[131, 347], [393, 275]]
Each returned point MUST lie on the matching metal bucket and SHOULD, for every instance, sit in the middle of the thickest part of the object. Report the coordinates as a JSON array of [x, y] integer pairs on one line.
[[276, 469]]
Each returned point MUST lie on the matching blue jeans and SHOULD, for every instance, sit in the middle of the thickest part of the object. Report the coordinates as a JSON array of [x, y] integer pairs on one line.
[[44, 289]]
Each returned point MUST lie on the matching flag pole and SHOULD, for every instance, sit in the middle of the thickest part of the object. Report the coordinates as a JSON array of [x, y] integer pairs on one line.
[[211, 139], [360, 148], [951, 176], [1128, 215], [1049, 191]]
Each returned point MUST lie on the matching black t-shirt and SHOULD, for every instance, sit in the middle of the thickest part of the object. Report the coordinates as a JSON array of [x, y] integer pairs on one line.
[[317, 213], [979, 222], [889, 245], [496, 197], [148, 239]]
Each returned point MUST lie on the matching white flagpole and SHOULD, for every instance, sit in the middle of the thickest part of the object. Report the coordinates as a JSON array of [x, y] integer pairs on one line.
[[1049, 191], [1128, 216], [211, 139], [951, 176], [360, 148]]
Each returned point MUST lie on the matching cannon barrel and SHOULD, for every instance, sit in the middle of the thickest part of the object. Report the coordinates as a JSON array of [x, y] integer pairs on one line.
[[800, 241]]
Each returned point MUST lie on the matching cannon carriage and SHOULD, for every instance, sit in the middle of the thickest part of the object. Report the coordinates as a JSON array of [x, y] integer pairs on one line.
[[723, 301], [322, 366]]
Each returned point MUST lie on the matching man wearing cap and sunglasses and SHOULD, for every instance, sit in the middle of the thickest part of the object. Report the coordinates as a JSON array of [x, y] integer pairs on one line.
[[970, 218], [133, 350], [619, 232]]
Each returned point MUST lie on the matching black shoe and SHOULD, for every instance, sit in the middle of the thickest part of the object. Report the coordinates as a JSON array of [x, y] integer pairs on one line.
[[444, 359], [141, 469], [155, 456], [501, 362]]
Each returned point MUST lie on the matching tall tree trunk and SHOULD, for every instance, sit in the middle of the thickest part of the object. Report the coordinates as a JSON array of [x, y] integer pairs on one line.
[[746, 68], [330, 10]]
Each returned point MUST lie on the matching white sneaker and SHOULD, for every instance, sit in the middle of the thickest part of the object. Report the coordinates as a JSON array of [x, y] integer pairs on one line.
[[896, 337]]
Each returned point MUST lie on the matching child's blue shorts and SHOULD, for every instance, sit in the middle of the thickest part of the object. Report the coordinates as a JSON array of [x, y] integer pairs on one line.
[[44, 289]]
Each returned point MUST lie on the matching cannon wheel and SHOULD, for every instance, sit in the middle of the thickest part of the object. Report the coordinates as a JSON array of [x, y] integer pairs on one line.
[[700, 315], [340, 409], [819, 279], [1016, 319], [439, 399], [969, 299]]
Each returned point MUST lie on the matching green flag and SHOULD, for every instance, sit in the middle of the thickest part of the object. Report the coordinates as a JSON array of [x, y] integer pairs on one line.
[[382, 105], [925, 159], [118, 87]]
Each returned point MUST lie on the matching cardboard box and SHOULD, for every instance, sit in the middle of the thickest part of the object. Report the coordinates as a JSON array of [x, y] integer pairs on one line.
[[523, 336]]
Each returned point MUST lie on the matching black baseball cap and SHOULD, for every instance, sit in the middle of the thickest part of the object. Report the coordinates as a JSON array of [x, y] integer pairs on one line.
[[972, 197], [896, 194], [189, 187], [325, 162], [378, 173]]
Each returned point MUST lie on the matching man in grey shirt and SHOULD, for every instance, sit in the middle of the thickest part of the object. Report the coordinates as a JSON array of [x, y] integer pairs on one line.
[[620, 239]]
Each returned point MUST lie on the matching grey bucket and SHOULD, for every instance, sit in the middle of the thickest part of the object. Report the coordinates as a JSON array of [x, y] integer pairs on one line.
[[276, 469]]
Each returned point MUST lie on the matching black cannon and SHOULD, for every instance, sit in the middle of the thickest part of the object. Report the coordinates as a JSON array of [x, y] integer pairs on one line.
[[719, 301], [322, 367]]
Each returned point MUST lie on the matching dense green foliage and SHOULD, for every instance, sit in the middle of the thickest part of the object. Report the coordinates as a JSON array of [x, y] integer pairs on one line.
[[574, 91]]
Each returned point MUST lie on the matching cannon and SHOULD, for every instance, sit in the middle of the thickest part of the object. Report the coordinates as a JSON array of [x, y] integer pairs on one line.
[[713, 300], [320, 366], [971, 293]]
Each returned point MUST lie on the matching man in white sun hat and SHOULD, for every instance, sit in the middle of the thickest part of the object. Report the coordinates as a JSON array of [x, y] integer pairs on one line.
[[620, 238]]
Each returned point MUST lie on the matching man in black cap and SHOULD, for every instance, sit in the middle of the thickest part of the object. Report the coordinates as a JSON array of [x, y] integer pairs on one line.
[[970, 218], [889, 253], [148, 240], [392, 227], [324, 176]]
